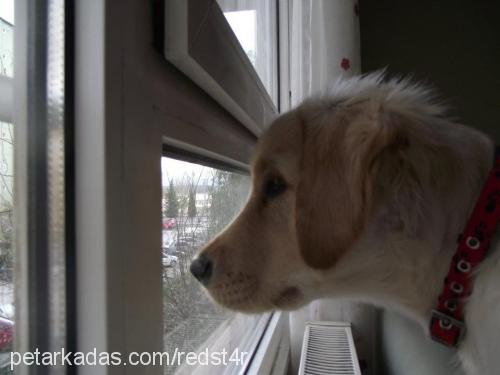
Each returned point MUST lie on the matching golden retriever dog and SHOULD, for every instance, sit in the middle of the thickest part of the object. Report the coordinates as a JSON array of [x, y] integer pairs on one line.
[[361, 193]]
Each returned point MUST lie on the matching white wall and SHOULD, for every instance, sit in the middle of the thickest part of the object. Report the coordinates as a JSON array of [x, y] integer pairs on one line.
[[407, 351]]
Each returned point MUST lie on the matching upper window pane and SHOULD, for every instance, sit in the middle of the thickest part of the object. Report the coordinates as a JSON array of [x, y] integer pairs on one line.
[[254, 23]]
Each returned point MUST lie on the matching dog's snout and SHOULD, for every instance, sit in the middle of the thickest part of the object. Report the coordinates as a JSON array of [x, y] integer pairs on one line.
[[201, 268]]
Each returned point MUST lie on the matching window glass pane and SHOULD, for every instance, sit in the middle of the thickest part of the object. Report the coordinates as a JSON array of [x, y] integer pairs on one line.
[[6, 194], [254, 22], [197, 203], [6, 245]]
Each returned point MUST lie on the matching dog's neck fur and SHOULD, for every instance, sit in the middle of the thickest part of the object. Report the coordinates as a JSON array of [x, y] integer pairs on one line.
[[404, 268]]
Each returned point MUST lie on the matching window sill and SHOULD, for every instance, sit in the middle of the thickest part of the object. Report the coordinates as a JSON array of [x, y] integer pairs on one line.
[[272, 354], [266, 344]]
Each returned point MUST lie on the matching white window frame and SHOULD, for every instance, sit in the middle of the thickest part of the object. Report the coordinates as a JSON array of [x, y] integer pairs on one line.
[[193, 27], [129, 103]]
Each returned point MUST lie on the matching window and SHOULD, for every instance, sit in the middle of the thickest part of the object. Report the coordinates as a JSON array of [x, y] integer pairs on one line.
[[6, 187], [196, 31], [197, 203], [43, 196], [229, 48], [132, 109], [254, 24]]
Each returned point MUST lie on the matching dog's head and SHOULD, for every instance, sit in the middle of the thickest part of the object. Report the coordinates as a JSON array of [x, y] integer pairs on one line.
[[319, 173]]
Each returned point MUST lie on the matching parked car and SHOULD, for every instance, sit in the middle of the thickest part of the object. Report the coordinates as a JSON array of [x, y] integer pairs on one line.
[[6, 333], [169, 223], [6, 336]]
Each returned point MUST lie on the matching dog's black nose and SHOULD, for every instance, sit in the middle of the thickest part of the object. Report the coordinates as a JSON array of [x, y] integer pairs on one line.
[[201, 268]]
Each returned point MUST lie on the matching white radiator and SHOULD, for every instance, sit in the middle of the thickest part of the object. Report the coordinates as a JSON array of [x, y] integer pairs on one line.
[[328, 349]]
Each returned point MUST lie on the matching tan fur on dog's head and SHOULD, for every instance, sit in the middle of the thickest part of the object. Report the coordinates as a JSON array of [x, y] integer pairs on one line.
[[320, 172]]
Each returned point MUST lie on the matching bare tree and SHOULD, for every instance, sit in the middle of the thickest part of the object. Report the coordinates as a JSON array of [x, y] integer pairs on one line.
[[192, 203], [172, 209]]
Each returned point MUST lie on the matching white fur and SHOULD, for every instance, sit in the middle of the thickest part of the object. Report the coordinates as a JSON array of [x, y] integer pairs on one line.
[[405, 271]]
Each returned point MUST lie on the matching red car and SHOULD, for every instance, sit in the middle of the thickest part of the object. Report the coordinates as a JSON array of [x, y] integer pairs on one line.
[[6, 333], [169, 223]]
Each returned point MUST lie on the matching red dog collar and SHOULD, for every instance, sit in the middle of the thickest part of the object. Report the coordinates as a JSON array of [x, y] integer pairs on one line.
[[447, 321]]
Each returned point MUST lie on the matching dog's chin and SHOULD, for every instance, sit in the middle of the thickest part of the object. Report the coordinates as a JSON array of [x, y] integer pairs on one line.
[[289, 298]]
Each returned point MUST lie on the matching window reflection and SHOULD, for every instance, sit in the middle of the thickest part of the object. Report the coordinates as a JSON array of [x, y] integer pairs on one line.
[[254, 23]]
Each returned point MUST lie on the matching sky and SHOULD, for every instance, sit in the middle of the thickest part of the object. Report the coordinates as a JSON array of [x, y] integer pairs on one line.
[[243, 23], [176, 170], [7, 10]]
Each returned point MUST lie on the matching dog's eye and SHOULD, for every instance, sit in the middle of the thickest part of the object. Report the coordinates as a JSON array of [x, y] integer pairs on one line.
[[274, 186]]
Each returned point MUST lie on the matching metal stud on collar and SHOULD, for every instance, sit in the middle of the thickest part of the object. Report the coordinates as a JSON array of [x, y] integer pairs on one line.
[[473, 243], [450, 304], [456, 287], [463, 266], [445, 324]]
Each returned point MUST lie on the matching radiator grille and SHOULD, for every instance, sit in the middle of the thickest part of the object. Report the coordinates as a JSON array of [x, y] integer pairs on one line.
[[328, 349]]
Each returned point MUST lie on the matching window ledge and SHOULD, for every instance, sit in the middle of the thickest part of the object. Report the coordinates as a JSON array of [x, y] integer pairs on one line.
[[272, 354], [267, 346]]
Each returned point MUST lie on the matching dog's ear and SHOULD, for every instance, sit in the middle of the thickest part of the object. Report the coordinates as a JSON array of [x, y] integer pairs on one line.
[[376, 147], [336, 191]]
